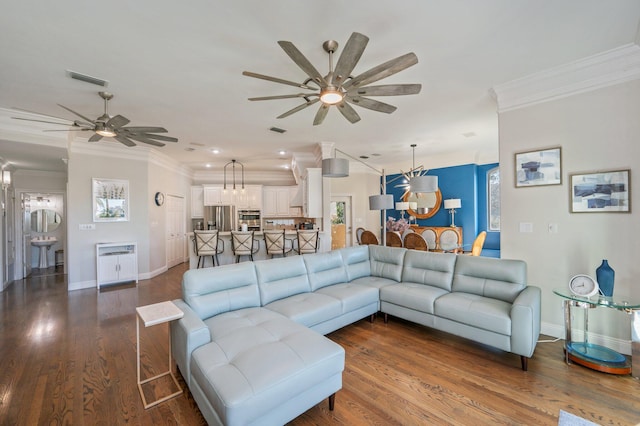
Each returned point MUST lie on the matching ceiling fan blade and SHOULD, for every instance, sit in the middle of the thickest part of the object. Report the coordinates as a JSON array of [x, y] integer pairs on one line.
[[67, 130], [42, 121], [383, 70], [95, 138], [143, 139], [348, 112], [349, 58], [298, 108], [321, 114], [151, 136], [372, 104], [297, 95], [78, 114], [117, 122], [137, 129], [303, 62], [277, 80], [387, 90], [124, 140]]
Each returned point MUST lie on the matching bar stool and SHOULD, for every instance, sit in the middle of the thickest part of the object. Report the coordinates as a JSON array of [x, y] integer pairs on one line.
[[275, 243], [242, 244], [207, 244], [308, 241]]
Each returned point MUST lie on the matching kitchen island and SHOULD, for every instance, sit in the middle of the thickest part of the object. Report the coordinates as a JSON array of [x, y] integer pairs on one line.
[[227, 256]]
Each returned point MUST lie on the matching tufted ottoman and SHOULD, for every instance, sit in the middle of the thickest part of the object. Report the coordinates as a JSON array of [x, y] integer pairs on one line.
[[263, 368]]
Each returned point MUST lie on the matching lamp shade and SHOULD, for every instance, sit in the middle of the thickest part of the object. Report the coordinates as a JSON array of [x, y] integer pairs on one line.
[[335, 167], [381, 202], [423, 184], [452, 203], [413, 205], [402, 206]]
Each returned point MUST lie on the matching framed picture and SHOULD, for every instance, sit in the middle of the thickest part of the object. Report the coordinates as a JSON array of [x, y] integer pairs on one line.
[[110, 200], [535, 168], [600, 192]]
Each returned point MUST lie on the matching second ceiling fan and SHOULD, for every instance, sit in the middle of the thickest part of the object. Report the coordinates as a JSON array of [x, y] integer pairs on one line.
[[339, 87]]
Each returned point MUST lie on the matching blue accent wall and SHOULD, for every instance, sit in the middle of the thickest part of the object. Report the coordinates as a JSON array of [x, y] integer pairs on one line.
[[469, 183]]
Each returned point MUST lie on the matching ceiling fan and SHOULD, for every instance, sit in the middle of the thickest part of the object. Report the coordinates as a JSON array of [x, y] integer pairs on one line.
[[110, 127], [339, 87]]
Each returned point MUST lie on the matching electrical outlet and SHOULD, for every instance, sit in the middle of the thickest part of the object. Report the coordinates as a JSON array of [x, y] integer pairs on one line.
[[87, 226]]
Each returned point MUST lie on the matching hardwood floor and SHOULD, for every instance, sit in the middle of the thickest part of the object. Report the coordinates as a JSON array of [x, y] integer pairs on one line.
[[70, 358]]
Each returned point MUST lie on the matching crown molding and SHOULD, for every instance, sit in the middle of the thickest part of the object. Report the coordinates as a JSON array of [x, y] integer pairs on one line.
[[608, 68], [251, 177]]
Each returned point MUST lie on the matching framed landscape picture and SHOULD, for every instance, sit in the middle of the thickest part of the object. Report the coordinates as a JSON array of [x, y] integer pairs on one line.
[[110, 200], [600, 192], [535, 168]]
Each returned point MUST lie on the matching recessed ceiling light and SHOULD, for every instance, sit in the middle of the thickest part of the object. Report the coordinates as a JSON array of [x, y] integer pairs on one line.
[[282, 152], [286, 166], [215, 151], [208, 165]]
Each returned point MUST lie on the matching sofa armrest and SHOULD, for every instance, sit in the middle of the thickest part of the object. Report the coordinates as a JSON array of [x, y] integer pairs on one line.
[[525, 321], [187, 334]]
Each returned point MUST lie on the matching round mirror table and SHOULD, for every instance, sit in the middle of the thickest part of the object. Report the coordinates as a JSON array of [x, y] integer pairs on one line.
[[594, 356]]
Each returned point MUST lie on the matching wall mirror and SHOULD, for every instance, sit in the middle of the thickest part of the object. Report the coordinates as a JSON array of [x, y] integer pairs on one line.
[[428, 204], [45, 220]]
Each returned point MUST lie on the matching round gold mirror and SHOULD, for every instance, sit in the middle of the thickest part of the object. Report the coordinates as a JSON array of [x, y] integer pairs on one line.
[[428, 204]]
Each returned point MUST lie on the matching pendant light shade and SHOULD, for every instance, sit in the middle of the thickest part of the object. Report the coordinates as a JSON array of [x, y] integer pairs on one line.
[[335, 167], [423, 184], [381, 202]]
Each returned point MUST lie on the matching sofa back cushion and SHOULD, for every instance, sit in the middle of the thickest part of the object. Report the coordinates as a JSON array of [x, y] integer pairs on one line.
[[386, 262], [356, 261], [325, 269], [280, 278], [212, 291], [434, 269], [501, 279]]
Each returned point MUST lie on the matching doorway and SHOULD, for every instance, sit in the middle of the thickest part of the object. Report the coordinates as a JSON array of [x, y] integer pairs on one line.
[[340, 211], [176, 218]]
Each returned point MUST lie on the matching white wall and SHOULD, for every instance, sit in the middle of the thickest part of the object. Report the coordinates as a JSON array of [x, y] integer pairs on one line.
[[597, 130]]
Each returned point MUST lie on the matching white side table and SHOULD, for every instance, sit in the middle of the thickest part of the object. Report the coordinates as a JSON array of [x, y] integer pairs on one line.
[[157, 313]]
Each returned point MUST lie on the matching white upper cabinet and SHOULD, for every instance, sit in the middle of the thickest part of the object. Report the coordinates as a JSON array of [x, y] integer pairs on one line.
[[276, 201], [197, 202]]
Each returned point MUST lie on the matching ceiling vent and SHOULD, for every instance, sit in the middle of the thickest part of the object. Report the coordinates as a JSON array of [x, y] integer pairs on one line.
[[87, 78], [277, 130]]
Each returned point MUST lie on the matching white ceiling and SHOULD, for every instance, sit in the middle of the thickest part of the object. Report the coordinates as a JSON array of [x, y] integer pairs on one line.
[[179, 65]]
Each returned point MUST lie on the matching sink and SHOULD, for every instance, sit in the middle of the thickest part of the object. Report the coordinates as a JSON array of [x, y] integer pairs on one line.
[[44, 246]]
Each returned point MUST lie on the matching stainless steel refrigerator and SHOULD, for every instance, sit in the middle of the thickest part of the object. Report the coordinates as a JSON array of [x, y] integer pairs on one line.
[[221, 218]]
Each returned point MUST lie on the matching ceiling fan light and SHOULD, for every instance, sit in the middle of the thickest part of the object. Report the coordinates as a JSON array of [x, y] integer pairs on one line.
[[331, 96], [106, 132]]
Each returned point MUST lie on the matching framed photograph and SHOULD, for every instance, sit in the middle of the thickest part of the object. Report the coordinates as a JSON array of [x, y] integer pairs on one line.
[[110, 200], [600, 192], [536, 168]]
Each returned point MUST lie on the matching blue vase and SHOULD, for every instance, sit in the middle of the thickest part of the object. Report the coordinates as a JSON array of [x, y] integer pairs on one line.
[[605, 276]]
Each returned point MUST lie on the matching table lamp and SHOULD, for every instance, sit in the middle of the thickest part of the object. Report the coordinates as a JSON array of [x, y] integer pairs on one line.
[[452, 204]]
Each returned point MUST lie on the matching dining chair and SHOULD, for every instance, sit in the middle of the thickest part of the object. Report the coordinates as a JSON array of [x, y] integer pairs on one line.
[[393, 239], [369, 238], [478, 243], [307, 241], [207, 243], [429, 236], [415, 241], [359, 232], [243, 244], [276, 243], [406, 232], [450, 241]]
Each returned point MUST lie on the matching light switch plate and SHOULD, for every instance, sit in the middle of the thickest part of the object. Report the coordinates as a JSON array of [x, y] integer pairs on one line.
[[526, 227], [87, 226]]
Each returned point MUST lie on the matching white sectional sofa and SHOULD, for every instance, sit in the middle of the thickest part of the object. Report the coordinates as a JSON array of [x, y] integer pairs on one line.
[[251, 347]]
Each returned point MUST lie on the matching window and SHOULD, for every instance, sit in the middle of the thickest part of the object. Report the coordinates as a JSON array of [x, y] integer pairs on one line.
[[493, 183]]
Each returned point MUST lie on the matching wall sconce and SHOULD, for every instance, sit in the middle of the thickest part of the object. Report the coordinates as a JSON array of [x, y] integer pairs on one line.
[[452, 204], [6, 179], [233, 169]]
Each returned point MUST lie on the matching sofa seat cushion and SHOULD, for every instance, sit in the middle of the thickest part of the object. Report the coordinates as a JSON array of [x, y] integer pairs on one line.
[[377, 282], [351, 296], [415, 296], [307, 309], [477, 311], [265, 361]]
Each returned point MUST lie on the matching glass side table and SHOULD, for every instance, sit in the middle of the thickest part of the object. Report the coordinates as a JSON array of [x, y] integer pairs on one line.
[[599, 357]]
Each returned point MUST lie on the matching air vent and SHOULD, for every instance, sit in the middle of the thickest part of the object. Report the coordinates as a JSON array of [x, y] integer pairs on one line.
[[277, 130], [87, 78], [364, 157], [189, 149]]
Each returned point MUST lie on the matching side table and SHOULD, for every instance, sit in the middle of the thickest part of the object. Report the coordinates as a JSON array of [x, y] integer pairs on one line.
[[150, 315], [595, 356]]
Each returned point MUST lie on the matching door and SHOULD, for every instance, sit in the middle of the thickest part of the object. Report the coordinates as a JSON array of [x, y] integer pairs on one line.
[[25, 205], [340, 210], [176, 219]]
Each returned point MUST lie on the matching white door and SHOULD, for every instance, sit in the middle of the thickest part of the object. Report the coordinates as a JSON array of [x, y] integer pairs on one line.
[[340, 210], [26, 234], [176, 238]]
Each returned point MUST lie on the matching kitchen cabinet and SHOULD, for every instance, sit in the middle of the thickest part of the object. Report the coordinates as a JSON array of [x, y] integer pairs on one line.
[[216, 195], [116, 263], [312, 193], [250, 198], [294, 211], [276, 201], [197, 202]]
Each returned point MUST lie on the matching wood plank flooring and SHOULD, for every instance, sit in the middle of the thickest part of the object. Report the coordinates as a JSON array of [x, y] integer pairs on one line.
[[70, 358]]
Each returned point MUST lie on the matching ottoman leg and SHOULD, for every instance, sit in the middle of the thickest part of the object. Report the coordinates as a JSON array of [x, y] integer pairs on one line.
[[332, 401]]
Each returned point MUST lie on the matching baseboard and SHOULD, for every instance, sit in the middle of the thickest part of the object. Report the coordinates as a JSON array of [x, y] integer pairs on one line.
[[81, 285], [151, 274], [557, 331]]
